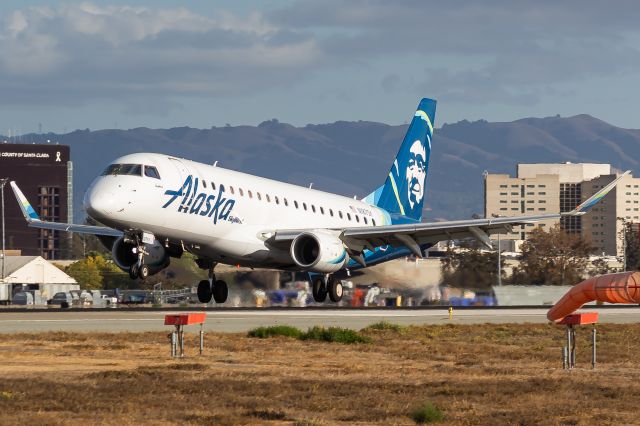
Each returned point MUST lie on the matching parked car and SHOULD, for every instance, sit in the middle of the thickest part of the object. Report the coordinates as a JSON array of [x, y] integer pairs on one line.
[[22, 298], [62, 299]]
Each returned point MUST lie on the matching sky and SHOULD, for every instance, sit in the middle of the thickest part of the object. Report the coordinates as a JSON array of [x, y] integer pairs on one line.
[[159, 63]]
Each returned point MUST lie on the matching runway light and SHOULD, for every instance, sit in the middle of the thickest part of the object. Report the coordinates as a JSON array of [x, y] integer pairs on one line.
[[450, 312]]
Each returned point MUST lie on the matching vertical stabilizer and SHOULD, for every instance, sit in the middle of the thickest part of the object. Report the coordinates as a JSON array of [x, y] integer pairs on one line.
[[403, 191]]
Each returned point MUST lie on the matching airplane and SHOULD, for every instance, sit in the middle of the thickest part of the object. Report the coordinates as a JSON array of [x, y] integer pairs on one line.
[[155, 207]]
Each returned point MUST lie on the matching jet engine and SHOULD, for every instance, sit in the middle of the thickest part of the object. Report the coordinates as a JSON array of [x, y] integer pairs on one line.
[[125, 254], [319, 251]]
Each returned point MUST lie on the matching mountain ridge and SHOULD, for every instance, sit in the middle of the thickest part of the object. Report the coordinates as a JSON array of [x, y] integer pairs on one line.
[[353, 157]]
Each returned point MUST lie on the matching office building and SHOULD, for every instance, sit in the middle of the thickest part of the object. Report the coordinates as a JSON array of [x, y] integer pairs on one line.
[[44, 173], [557, 188]]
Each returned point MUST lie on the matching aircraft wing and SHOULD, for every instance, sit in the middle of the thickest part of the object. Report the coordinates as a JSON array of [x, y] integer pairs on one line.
[[414, 235], [34, 221]]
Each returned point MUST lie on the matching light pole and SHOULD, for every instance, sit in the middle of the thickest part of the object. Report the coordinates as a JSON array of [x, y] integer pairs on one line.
[[499, 259], [3, 182], [499, 264]]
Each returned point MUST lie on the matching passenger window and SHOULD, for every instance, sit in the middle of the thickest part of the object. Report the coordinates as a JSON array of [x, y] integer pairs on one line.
[[295, 203], [304, 206], [286, 203], [357, 218], [222, 188], [340, 214], [152, 172], [277, 200], [349, 216], [250, 194], [313, 208], [331, 212], [373, 221], [231, 190], [366, 222], [204, 182], [259, 196], [241, 192], [268, 198], [321, 210], [213, 185]]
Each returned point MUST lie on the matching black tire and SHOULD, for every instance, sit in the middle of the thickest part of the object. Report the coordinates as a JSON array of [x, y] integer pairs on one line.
[[335, 290], [133, 272], [143, 271], [220, 291], [319, 290], [204, 291]]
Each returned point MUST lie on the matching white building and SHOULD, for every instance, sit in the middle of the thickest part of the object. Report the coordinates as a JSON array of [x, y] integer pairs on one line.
[[33, 273]]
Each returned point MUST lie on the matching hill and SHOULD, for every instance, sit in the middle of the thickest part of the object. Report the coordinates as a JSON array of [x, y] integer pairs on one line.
[[352, 158]]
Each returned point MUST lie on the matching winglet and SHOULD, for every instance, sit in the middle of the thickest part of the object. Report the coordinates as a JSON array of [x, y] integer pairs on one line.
[[595, 198], [28, 211]]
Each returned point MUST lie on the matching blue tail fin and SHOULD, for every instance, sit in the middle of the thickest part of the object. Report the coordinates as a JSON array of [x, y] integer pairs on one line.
[[403, 191]]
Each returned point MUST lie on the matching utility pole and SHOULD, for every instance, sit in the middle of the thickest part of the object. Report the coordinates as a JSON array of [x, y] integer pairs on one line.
[[2, 184]]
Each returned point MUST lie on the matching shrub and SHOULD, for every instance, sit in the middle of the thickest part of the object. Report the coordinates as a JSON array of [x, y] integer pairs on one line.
[[427, 413], [275, 330], [334, 334], [385, 325]]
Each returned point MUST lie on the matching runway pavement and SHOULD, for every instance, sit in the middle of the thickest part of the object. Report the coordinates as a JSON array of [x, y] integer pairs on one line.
[[242, 320]]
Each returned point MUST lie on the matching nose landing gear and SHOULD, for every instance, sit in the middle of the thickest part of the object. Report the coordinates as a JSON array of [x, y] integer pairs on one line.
[[139, 269]]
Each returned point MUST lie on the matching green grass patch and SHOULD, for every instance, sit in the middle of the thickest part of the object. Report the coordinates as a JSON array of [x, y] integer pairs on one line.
[[275, 330], [331, 334], [335, 334], [427, 413], [385, 325]]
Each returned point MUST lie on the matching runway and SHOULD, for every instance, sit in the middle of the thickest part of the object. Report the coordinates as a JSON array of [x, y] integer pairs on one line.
[[237, 321]]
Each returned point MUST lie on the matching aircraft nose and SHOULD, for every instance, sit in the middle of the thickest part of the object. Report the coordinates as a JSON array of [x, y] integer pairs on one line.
[[99, 202]]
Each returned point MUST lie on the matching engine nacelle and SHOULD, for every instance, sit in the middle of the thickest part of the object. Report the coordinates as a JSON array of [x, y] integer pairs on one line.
[[319, 251], [125, 254]]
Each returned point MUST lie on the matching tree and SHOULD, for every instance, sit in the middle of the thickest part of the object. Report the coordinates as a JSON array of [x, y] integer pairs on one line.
[[95, 272], [600, 267], [552, 257], [86, 273], [470, 268], [630, 236]]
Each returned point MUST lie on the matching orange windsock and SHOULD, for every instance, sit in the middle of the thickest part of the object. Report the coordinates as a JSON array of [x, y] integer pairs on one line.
[[623, 287]]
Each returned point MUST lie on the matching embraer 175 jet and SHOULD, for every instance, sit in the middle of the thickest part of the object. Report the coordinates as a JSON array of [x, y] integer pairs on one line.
[[156, 207]]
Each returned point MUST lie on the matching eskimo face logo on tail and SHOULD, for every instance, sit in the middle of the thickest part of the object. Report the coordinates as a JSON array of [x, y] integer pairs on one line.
[[215, 206], [416, 173]]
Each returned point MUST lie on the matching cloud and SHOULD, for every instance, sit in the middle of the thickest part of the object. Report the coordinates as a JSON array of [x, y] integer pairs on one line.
[[500, 51], [78, 52]]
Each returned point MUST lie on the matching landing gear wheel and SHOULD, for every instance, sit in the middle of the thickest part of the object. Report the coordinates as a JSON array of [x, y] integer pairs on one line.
[[319, 290], [335, 290], [204, 291], [133, 272], [143, 271], [220, 291]]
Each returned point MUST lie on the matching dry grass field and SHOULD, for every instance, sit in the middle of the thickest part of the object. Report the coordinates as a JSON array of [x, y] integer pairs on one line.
[[480, 374]]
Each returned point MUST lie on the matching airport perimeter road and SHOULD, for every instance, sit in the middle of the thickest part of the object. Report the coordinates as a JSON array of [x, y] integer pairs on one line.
[[243, 320]]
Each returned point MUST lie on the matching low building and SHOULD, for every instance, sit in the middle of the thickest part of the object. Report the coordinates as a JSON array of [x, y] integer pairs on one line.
[[33, 273]]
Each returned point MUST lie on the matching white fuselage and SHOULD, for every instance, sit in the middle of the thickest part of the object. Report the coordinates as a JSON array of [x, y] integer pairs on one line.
[[227, 216]]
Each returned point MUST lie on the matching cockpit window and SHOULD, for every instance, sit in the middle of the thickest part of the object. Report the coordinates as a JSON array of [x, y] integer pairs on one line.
[[123, 169], [152, 172]]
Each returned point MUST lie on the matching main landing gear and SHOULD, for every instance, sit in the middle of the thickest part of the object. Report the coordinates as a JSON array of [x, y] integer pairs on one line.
[[212, 288], [323, 286]]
